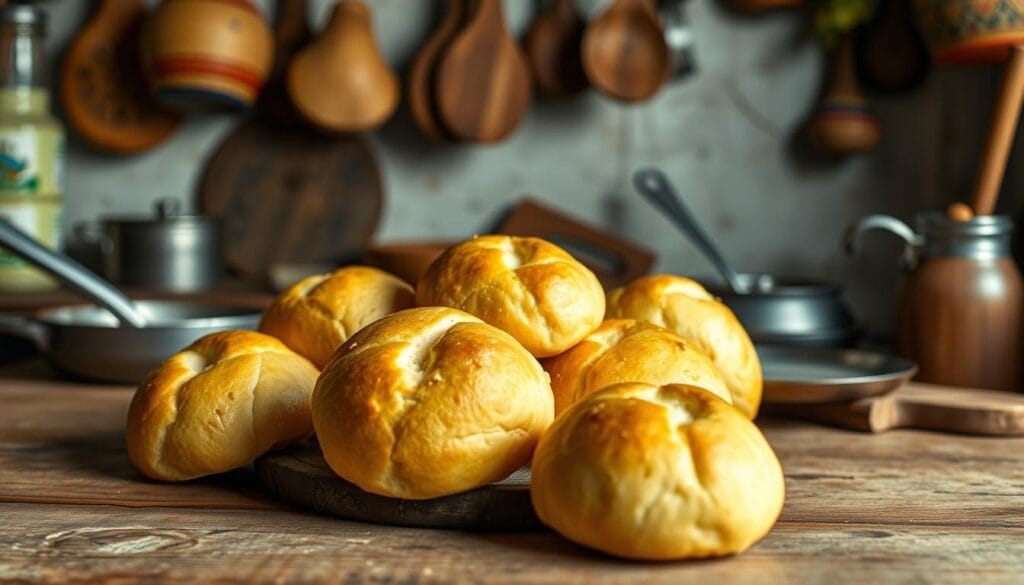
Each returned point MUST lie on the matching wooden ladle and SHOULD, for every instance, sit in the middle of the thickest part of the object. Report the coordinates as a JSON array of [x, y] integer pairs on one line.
[[340, 82], [624, 51], [483, 85], [420, 83], [102, 88], [553, 49]]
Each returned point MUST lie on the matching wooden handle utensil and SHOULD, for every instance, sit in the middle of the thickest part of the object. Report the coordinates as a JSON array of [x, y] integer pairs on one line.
[[102, 89], [422, 73], [920, 406], [624, 51], [483, 86], [553, 46], [1000, 138]]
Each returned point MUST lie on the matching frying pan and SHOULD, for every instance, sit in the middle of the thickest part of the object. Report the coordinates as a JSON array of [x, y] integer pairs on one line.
[[773, 309], [116, 339]]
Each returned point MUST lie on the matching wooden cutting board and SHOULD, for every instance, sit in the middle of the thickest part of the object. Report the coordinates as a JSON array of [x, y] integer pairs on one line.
[[300, 476], [289, 195], [919, 406]]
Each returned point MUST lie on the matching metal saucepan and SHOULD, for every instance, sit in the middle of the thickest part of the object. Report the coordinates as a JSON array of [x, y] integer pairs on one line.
[[774, 310], [116, 339]]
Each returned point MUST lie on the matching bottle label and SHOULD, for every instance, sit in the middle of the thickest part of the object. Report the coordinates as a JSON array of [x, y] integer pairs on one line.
[[19, 161]]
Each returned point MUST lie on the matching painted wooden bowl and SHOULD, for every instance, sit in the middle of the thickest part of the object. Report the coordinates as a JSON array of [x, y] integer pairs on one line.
[[971, 31], [202, 53]]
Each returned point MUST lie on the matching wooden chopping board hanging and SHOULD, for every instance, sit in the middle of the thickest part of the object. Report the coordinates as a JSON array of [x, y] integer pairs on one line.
[[288, 194], [300, 476]]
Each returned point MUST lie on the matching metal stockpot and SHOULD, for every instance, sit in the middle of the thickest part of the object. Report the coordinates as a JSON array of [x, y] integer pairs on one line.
[[172, 252]]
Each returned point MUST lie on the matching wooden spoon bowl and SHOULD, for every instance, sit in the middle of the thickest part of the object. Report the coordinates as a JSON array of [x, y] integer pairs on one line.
[[483, 86], [624, 51], [340, 82], [422, 73], [553, 49]]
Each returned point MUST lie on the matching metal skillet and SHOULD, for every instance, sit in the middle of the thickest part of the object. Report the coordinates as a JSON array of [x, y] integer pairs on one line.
[[116, 339], [872, 392]]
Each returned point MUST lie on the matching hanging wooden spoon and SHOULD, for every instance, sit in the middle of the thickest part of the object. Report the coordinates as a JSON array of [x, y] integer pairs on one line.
[[843, 123], [103, 91], [553, 48], [483, 86], [291, 34], [624, 51], [420, 85], [340, 82]]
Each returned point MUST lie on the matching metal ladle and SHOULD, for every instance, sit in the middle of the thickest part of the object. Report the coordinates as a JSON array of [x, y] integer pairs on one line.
[[71, 273], [658, 190]]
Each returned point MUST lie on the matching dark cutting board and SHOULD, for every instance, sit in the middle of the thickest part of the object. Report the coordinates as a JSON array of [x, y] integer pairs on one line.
[[300, 476], [289, 195]]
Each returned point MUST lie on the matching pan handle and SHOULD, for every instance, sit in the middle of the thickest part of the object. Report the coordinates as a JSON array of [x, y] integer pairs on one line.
[[26, 328], [71, 273]]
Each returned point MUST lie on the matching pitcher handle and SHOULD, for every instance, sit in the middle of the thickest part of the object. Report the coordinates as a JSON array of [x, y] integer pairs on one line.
[[886, 223]]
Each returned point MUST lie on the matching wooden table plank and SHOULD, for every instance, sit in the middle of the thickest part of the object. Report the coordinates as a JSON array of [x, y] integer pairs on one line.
[[172, 545], [899, 507]]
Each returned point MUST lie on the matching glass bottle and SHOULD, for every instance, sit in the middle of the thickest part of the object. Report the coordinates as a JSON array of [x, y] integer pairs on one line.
[[31, 145]]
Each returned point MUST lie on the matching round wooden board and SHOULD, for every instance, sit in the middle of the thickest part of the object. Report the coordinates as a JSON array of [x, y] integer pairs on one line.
[[290, 195], [300, 476]]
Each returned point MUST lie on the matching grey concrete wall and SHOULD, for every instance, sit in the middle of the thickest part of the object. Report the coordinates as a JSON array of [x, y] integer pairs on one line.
[[722, 135]]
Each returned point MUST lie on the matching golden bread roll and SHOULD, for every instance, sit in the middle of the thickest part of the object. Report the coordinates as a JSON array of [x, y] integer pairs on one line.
[[527, 287], [218, 404], [429, 402], [318, 313], [685, 307], [624, 350], [657, 473]]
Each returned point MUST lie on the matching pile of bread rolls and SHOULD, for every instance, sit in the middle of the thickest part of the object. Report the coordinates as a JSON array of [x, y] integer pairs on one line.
[[634, 409]]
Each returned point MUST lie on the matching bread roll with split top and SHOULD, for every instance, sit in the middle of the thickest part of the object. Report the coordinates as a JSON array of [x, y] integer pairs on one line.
[[317, 314], [430, 402], [657, 473], [527, 287], [685, 307], [625, 350], [218, 404]]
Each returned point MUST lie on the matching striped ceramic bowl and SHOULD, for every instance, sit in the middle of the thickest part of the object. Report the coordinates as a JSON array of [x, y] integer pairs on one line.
[[202, 53]]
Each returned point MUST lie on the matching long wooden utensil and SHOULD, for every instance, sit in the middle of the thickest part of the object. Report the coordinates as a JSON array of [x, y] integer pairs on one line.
[[483, 84], [553, 46], [624, 51], [102, 89], [1000, 138], [422, 73]]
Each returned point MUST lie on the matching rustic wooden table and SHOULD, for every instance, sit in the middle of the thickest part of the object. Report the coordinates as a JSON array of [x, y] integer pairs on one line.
[[903, 507]]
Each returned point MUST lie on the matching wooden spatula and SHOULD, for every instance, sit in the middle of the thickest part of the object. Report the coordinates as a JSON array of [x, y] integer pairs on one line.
[[422, 73], [102, 88], [919, 406], [624, 51], [553, 47], [483, 86]]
